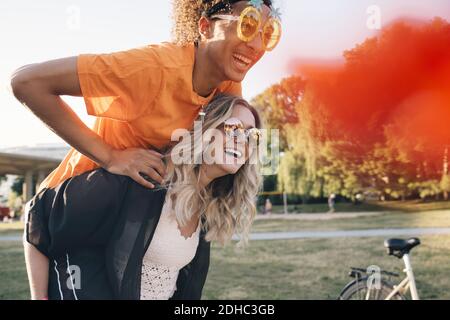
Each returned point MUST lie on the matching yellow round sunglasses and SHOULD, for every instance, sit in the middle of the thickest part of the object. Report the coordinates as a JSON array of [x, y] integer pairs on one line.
[[249, 26]]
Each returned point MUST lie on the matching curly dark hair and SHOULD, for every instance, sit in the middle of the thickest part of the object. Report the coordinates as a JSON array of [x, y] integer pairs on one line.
[[187, 13]]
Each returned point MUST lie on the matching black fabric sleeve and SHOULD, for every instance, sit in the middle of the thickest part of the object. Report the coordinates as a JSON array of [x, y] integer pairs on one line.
[[36, 223]]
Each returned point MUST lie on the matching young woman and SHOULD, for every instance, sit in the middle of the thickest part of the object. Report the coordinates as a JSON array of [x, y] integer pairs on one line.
[[140, 96], [107, 237]]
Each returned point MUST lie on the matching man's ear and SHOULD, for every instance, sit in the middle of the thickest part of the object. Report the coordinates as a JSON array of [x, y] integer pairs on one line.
[[205, 28]]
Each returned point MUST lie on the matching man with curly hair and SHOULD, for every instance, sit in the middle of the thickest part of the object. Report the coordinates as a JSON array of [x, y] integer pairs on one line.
[[140, 96]]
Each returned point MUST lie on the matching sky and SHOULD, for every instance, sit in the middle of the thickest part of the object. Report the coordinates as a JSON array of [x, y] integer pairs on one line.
[[36, 31]]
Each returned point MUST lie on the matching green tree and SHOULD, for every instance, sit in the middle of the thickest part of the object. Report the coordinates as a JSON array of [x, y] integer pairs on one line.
[[427, 189], [17, 186], [277, 105], [445, 185]]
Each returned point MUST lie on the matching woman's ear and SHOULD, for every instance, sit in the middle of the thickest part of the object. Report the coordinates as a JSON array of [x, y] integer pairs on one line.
[[205, 28]]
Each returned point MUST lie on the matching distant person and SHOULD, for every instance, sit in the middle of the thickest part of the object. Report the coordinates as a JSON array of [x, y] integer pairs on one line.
[[331, 203], [268, 207], [359, 198]]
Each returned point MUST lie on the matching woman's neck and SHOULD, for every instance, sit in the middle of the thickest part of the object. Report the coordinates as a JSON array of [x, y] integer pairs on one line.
[[205, 177], [205, 77]]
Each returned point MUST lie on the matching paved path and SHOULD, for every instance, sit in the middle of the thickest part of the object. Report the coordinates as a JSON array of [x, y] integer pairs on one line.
[[318, 216], [406, 232], [12, 237]]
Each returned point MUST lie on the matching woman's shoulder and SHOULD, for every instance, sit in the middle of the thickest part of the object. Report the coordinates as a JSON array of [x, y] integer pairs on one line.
[[97, 178], [103, 183], [96, 189]]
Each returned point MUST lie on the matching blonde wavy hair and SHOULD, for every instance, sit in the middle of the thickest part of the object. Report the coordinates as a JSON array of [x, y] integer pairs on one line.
[[187, 13], [228, 204]]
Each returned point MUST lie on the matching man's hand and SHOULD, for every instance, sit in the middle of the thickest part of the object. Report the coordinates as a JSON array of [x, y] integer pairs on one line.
[[133, 161]]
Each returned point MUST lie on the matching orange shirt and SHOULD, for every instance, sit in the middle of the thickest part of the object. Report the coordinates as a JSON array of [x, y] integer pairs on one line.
[[139, 96]]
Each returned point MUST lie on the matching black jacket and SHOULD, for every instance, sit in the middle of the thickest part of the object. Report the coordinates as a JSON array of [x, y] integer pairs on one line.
[[114, 217]]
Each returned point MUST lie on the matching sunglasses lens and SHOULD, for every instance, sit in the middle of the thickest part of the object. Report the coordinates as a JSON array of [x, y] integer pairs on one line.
[[255, 135], [233, 127], [249, 23], [271, 34]]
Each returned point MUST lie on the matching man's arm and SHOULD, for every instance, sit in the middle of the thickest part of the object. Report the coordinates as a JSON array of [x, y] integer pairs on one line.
[[39, 87]]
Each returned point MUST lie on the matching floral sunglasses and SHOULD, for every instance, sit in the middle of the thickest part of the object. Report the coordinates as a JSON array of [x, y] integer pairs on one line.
[[235, 128], [249, 26]]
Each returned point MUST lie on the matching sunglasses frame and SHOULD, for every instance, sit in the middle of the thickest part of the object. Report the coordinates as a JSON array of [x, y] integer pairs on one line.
[[246, 132], [260, 29]]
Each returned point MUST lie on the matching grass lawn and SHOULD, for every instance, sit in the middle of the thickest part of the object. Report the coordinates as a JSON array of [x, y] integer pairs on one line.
[[425, 219], [317, 268], [284, 269], [13, 276], [404, 206], [15, 227]]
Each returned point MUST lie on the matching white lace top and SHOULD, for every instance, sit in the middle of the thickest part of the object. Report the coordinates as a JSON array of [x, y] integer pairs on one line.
[[168, 253]]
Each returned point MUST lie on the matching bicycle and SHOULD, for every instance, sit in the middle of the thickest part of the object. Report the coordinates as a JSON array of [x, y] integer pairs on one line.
[[369, 284]]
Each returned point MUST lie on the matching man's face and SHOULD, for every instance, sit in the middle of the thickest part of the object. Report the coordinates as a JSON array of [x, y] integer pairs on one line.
[[232, 56]]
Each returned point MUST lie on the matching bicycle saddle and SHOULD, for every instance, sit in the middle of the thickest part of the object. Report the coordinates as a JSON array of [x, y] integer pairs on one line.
[[399, 247]]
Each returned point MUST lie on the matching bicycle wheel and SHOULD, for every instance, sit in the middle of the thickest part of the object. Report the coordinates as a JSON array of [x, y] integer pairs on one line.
[[358, 291]]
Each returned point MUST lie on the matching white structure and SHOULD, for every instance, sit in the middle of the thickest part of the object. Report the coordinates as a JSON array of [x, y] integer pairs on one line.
[[33, 163]]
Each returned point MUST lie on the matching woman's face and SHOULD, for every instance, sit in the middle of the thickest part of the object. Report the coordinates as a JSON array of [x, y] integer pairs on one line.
[[232, 56], [230, 153]]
